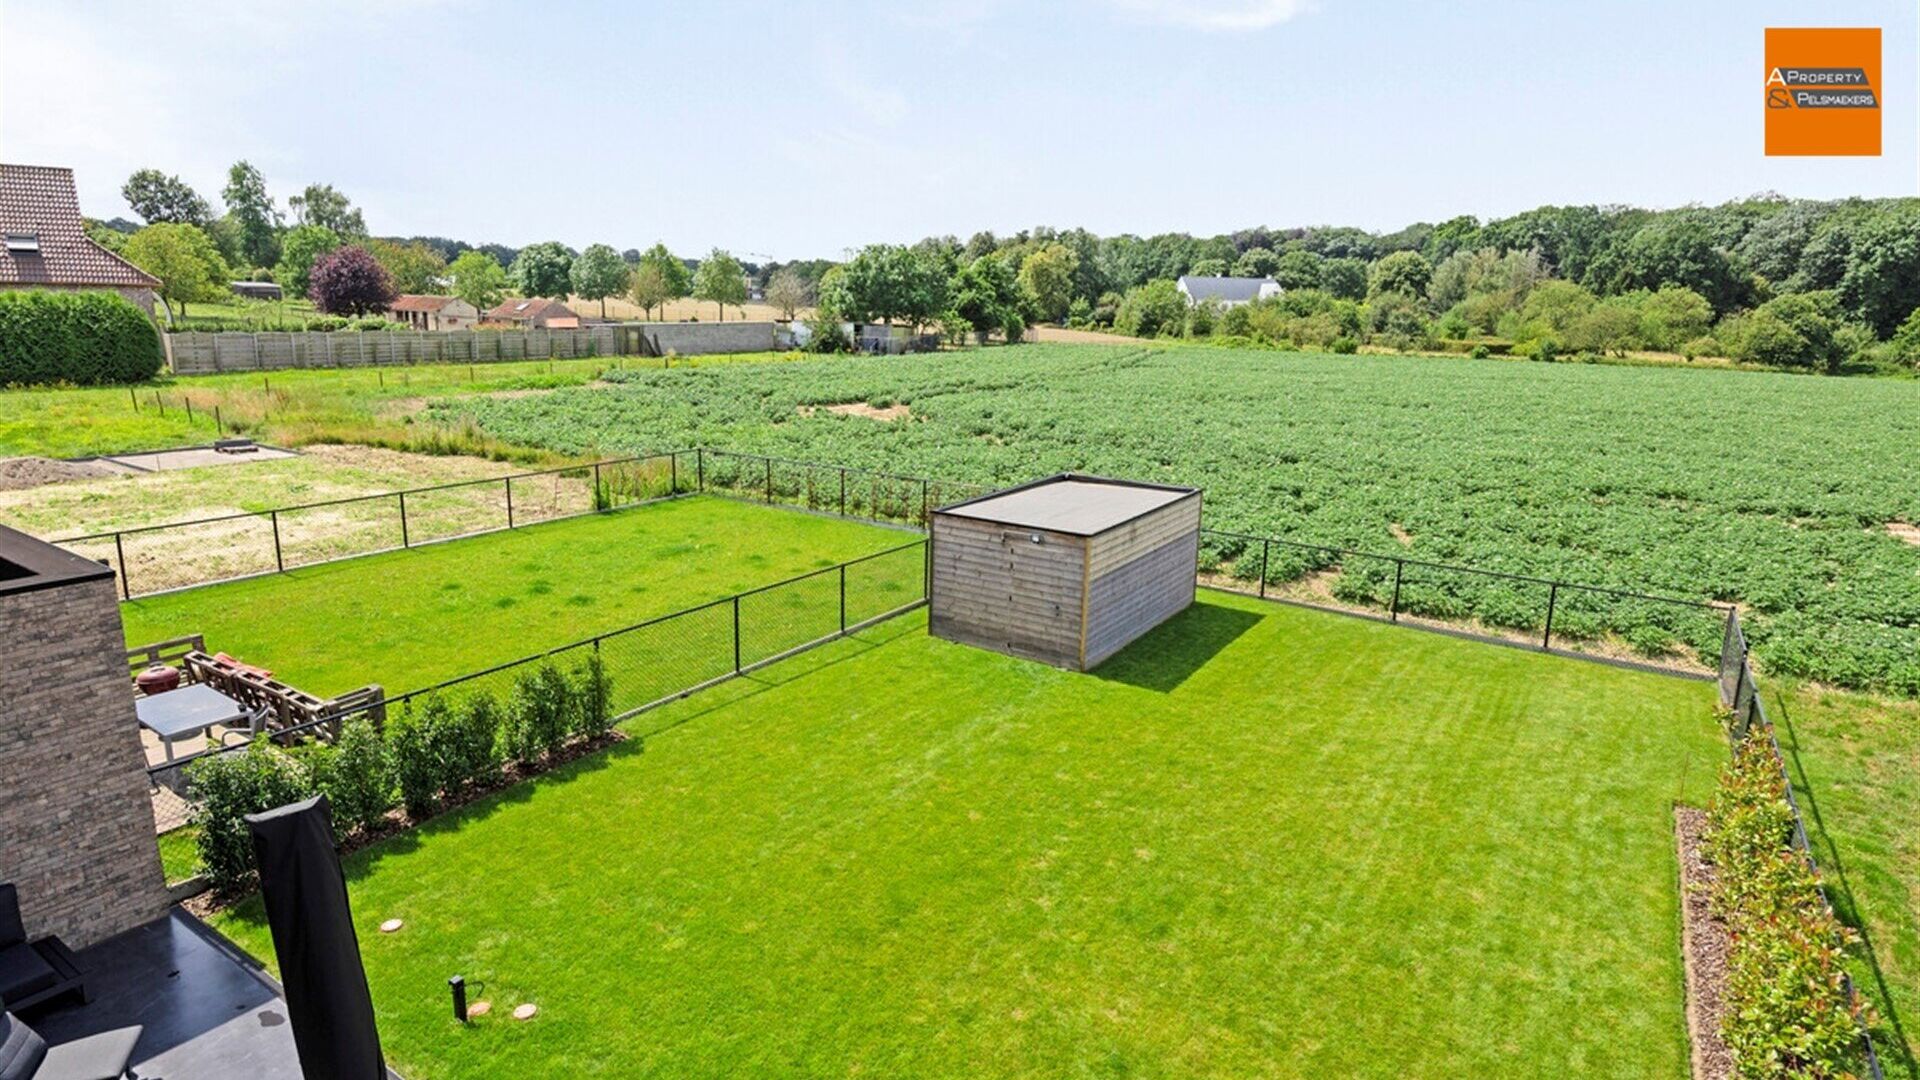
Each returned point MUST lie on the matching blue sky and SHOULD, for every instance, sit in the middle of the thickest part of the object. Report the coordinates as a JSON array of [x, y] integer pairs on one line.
[[798, 130]]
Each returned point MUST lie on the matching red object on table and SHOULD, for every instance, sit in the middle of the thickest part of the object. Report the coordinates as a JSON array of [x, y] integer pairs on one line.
[[157, 679]]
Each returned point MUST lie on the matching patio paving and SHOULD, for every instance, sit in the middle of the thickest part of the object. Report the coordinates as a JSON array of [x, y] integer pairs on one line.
[[207, 1011]]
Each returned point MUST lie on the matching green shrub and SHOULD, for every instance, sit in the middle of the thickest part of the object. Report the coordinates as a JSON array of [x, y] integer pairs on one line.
[[413, 754], [353, 774], [1345, 346], [1789, 1012], [540, 714], [467, 737], [593, 697], [1480, 352], [83, 338], [228, 787]]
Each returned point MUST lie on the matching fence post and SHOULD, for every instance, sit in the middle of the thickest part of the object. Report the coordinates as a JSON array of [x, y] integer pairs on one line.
[[1393, 608], [1553, 595], [736, 633], [1266, 549], [120, 551], [673, 471], [700, 464], [769, 479], [923, 504], [596, 489], [278, 562], [404, 540], [843, 491], [843, 598], [508, 481]]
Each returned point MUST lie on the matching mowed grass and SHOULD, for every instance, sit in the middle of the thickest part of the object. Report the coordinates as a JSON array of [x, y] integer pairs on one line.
[[412, 618], [1264, 841]]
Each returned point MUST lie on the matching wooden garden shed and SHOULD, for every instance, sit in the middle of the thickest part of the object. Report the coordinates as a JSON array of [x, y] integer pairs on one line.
[[1066, 570]]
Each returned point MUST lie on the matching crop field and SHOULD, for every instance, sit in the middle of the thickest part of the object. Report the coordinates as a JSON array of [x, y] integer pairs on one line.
[[1714, 485], [408, 619], [1264, 841]]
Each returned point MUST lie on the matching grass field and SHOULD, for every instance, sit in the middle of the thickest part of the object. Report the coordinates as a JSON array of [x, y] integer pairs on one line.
[[372, 406], [1715, 485], [412, 618], [1264, 841]]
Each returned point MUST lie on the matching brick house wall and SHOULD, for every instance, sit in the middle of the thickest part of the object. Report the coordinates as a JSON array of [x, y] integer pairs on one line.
[[76, 820]]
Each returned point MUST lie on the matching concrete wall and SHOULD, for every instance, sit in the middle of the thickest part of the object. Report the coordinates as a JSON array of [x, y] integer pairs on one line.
[[76, 821], [696, 339], [992, 586], [194, 353]]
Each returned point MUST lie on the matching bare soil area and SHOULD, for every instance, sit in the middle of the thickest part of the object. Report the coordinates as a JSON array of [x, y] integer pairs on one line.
[[860, 408], [1901, 530], [30, 472]]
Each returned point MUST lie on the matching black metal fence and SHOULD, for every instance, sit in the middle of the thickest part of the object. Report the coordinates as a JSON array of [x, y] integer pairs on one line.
[[1664, 632], [663, 658], [1748, 720], [833, 489]]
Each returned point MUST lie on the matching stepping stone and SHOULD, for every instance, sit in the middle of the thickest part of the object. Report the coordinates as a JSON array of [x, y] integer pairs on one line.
[[479, 1008], [525, 1012], [391, 925]]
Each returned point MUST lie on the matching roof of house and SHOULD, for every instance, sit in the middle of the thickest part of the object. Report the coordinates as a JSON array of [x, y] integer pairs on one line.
[[1070, 503], [418, 302], [1228, 289], [518, 308], [46, 242]]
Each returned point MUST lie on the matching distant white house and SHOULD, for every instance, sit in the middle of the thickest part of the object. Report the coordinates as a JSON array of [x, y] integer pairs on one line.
[[1226, 291]]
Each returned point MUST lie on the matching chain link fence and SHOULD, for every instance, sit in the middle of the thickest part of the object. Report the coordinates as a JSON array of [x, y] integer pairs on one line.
[[1663, 632], [655, 661]]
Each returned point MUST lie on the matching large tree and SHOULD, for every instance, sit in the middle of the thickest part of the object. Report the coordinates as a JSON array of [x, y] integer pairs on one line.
[[414, 267], [1403, 272], [1047, 277], [544, 269], [986, 294], [321, 205], [478, 279], [301, 245], [598, 273], [158, 197], [350, 281], [254, 214], [787, 292], [720, 281], [649, 288], [1881, 285], [885, 282], [1299, 270], [186, 262], [673, 270]]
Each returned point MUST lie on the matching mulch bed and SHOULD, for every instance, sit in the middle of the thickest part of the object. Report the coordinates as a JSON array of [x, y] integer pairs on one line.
[[398, 820], [1703, 939]]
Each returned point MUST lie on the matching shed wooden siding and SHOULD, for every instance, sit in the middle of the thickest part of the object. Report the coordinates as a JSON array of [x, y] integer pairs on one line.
[[992, 586], [1137, 596]]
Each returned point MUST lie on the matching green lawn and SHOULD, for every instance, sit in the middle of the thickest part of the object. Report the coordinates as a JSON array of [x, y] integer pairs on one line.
[[1855, 763], [1264, 841], [412, 618]]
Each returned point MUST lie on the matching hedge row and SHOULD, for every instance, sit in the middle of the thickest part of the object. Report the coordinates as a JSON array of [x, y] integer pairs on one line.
[[82, 338], [1790, 1011], [425, 757]]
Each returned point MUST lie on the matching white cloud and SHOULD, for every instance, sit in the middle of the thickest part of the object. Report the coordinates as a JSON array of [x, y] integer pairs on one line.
[[1213, 15]]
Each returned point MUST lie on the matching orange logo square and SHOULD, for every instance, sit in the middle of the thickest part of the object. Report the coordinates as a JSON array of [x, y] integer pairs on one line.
[[1823, 92]]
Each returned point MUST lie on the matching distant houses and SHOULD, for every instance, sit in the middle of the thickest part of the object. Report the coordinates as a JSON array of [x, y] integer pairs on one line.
[[44, 243], [535, 314], [1226, 291], [433, 312]]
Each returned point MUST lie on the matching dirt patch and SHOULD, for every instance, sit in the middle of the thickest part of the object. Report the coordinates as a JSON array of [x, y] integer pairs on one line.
[[1704, 944], [1401, 534], [1901, 530], [860, 408], [1083, 337], [31, 472]]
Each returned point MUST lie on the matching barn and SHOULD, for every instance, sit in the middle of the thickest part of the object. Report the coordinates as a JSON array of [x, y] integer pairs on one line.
[[1066, 570]]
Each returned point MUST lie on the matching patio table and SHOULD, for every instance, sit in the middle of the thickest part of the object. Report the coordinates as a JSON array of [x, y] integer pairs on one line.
[[188, 711]]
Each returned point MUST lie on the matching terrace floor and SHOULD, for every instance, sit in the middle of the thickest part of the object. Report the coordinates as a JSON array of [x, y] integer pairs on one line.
[[1262, 841], [206, 1012]]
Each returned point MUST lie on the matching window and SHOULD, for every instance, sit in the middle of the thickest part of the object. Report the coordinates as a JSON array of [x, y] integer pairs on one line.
[[23, 241]]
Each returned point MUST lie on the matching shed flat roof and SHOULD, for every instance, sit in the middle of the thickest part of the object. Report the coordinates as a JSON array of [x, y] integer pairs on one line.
[[1077, 505]]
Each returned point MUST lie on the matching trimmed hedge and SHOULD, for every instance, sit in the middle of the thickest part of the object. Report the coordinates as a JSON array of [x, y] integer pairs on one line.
[[82, 338], [1789, 1009]]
